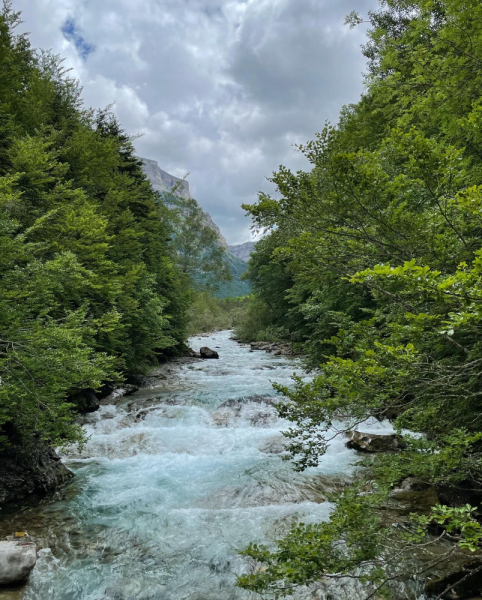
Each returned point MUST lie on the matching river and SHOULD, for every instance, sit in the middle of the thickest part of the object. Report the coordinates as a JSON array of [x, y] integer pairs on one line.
[[169, 486]]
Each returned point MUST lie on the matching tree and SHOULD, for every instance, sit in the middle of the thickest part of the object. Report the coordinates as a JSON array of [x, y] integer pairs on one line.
[[196, 247]]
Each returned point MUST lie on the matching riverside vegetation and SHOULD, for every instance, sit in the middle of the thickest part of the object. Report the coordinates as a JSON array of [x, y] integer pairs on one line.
[[372, 262], [96, 272]]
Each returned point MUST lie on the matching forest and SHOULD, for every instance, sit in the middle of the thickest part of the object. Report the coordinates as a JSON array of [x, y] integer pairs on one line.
[[371, 263]]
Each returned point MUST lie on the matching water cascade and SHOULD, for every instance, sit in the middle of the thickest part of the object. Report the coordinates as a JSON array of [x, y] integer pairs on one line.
[[171, 484]]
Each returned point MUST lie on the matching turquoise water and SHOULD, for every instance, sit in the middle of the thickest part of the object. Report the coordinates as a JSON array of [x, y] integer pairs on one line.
[[169, 486]]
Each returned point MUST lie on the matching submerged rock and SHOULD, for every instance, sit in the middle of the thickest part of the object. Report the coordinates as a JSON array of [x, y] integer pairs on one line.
[[206, 352], [274, 445], [238, 403], [17, 559], [256, 410], [372, 442], [32, 473], [414, 495], [240, 408], [222, 418]]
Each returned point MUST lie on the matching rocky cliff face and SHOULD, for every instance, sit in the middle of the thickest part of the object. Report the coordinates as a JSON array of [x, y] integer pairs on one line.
[[210, 223], [163, 182], [242, 251]]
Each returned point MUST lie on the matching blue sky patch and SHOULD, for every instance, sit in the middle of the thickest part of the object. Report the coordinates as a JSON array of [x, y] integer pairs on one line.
[[71, 33]]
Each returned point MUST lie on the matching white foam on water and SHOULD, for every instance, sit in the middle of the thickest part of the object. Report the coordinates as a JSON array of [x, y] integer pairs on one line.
[[168, 491]]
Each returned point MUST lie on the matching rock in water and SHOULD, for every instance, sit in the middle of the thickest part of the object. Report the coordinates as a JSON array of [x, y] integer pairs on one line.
[[86, 401], [17, 559], [206, 352], [372, 442]]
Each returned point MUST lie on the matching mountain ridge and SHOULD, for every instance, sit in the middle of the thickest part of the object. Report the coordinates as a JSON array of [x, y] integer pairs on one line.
[[242, 251]]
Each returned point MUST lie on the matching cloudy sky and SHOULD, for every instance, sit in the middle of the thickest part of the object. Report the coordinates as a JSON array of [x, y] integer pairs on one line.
[[219, 88]]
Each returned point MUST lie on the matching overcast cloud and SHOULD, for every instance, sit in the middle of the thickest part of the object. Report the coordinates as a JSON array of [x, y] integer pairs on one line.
[[219, 88]]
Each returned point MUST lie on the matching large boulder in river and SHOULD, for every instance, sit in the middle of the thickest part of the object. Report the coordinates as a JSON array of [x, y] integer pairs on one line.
[[85, 401], [206, 352], [17, 559], [372, 442]]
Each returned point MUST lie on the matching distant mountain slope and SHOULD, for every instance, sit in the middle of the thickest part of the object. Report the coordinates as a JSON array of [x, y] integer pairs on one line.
[[236, 287], [163, 182], [242, 251]]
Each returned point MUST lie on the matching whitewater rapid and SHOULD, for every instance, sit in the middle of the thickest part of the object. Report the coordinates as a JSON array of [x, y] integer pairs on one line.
[[169, 486]]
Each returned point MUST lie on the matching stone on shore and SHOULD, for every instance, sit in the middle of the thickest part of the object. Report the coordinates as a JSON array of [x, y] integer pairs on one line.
[[372, 442], [17, 559], [465, 583], [35, 472], [277, 348], [206, 352]]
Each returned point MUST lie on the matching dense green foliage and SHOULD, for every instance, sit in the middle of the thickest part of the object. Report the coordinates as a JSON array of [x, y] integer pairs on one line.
[[373, 260], [237, 286], [89, 289], [208, 313], [197, 251]]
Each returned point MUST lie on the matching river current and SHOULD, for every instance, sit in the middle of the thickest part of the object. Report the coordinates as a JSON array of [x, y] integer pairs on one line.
[[171, 484]]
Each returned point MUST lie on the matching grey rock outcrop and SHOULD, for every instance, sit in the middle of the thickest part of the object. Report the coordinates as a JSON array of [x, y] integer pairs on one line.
[[118, 393], [371, 442], [277, 348], [242, 251], [17, 559], [31, 474], [163, 182], [212, 225]]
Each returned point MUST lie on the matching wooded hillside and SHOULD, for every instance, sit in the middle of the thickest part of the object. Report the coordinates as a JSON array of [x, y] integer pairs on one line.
[[372, 262]]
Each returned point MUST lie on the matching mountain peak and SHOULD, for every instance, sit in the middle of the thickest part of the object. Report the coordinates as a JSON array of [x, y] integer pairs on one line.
[[162, 181]]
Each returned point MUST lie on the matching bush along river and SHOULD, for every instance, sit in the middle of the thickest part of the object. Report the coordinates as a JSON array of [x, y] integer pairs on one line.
[[173, 480]]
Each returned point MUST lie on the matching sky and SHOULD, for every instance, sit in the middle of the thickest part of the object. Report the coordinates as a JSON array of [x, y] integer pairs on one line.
[[220, 89]]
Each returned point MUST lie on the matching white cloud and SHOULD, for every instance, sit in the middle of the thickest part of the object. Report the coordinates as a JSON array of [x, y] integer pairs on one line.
[[220, 88]]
